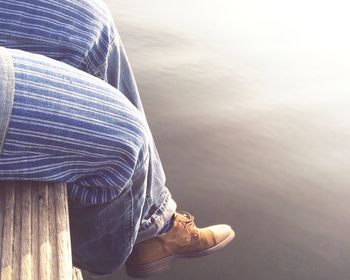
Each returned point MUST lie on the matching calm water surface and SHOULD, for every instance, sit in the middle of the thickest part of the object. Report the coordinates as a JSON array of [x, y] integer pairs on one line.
[[249, 104]]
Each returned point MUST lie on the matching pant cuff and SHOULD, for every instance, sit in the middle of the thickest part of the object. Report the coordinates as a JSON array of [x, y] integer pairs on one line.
[[150, 227]]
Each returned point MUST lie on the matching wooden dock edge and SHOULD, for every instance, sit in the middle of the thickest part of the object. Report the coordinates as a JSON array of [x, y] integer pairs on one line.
[[34, 232]]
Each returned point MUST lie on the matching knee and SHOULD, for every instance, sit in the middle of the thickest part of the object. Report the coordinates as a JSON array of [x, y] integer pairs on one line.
[[130, 133]]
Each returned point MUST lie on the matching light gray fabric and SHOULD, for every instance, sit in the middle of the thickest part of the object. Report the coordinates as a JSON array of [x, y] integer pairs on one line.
[[7, 88]]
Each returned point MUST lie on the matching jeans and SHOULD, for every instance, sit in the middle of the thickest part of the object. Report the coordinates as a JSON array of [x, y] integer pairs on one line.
[[107, 156]]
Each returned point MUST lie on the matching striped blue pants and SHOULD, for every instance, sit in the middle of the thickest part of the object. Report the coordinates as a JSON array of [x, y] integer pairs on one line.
[[77, 117]]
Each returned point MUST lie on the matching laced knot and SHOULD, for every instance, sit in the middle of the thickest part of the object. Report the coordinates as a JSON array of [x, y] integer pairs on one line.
[[187, 220]]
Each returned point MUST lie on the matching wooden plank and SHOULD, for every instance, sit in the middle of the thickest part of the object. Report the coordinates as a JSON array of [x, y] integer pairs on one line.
[[44, 240], [53, 232], [16, 255], [63, 235], [26, 232], [2, 211], [7, 241], [34, 232]]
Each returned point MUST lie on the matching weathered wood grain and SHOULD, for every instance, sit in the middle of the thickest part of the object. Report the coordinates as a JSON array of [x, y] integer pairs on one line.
[[34, 232]]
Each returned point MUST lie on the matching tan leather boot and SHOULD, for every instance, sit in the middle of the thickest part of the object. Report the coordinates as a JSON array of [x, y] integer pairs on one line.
[[183, 240]]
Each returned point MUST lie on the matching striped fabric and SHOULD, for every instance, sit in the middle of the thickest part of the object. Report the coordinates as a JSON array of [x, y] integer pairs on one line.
[[77, 117], [72, 127], [69, 126], [77, 32]]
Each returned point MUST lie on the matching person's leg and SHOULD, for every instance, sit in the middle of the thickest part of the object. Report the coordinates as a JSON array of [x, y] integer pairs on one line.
[[69, 126], [74, 32], [82, 33], [97, 245]]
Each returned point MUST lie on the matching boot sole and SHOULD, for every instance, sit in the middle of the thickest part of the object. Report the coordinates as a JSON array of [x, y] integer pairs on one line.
[[145, 270]]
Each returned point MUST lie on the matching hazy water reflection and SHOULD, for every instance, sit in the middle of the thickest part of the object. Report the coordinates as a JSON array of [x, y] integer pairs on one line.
[[249, 104]]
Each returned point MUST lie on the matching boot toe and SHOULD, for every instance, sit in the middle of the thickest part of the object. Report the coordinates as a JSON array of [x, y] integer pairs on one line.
[[222, 233]]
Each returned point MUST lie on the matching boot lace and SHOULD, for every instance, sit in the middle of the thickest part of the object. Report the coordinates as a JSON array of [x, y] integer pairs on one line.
[[187, 220]]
